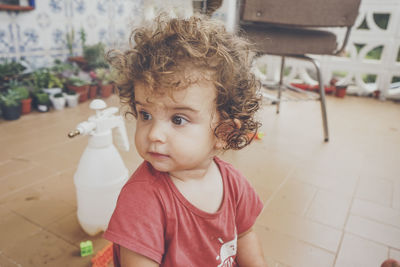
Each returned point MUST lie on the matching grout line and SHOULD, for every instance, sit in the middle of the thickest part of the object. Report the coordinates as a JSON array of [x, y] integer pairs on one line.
[[347, 219], [10, 259], [273, 195]]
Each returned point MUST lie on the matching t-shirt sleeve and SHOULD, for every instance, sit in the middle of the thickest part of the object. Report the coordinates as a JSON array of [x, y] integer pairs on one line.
[[138, 221], [249, 206]]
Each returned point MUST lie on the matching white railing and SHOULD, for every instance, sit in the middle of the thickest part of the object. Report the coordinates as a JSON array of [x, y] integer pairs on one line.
[[355, 66]]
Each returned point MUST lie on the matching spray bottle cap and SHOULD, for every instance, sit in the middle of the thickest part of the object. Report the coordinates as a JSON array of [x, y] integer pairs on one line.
[[98, 105]]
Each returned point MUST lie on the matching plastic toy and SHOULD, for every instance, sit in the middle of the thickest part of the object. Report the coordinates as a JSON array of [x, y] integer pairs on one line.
[[103, 257], [86, 248], [256, 136], [101, 173]]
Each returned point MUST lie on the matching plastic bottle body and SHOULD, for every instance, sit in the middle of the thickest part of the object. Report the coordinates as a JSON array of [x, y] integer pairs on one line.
[[100, 175]]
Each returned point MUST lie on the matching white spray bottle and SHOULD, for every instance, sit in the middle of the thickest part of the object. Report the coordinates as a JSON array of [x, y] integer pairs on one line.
[[101, 173]]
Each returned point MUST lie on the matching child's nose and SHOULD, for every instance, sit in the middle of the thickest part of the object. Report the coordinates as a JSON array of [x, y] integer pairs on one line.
[[158, 132]]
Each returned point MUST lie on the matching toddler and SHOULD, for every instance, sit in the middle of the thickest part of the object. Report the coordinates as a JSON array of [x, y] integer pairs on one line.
[[189, 85]]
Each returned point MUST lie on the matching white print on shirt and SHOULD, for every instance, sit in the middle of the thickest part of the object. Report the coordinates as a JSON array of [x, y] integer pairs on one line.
[[227, 252]]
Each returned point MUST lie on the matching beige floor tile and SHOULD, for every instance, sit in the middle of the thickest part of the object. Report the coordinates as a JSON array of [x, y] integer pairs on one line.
[[7, 262], [364, 144], [60, 186], [68, 228], [53, 158], [374, 231], [273, 263], [394, 254], [330, 208], [14, 166], [396, 195], [45, 249], [4, 157], [328, 180], [302, 229], [376, 212], [14, 228], [39, 208], [376, 190], [291, 251], [294, 197], [24, 178], [359, 252]]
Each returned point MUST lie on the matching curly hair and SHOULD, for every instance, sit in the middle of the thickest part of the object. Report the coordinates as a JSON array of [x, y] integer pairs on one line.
[[159, 52]]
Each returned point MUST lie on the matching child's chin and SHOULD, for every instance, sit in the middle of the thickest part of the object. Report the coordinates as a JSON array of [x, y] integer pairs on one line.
[[160, 167]]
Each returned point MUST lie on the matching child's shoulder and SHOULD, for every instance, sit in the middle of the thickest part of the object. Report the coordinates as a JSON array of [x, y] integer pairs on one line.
[[225, 166], [231, 173], [145, 177]]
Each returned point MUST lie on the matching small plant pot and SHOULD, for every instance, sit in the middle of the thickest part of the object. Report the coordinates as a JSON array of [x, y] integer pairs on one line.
[[11, 113], [58, 102], [43, 107], [80, 61], [340, 91], [82, 90], [106, 90], [26, 105], [52, 91], [72, 100], [93, 91]]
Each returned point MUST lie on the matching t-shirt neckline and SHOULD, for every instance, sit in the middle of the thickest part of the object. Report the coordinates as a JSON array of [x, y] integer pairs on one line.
[[192, 207]]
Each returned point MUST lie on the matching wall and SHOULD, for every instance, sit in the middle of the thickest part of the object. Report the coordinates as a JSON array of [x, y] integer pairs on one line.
[[39, 36]]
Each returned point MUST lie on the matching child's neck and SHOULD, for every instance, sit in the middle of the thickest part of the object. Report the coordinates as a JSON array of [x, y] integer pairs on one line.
[[203, 188], [198, 173]]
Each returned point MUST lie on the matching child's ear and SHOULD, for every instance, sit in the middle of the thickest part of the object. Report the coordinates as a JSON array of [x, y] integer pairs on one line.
[[219, 144]]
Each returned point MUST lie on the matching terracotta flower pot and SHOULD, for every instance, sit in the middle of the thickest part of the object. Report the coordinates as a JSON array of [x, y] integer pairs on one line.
[[93, 91], [80, 61], [26, 105], [82, 90], [340, 91], [106, 90]]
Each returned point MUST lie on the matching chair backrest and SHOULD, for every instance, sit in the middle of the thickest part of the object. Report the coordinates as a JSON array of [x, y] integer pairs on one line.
[[313, 13]]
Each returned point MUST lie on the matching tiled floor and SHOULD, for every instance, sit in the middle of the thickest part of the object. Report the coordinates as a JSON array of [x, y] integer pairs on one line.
[[326, 204]]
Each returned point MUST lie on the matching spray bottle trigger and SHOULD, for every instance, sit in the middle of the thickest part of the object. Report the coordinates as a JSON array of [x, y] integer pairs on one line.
[[121, 137]]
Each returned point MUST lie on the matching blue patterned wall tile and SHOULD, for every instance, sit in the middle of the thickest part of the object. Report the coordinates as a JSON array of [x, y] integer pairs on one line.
[[7, 42], [40, 35]]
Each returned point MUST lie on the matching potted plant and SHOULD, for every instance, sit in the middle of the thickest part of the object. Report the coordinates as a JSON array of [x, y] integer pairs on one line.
[[72, 98], [9, 71], [10, 105], [94, 55], [26, 100], [58, 101], [80, 86], [42, 101], [93, 89], [340, 91], [79, 60], [105, 80], [44, 79], [22, 90]]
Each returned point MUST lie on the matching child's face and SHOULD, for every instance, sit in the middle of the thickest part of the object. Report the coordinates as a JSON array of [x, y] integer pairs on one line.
[[177, 134]]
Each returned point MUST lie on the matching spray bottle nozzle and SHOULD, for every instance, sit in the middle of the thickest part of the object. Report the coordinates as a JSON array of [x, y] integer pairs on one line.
[[73, 133]]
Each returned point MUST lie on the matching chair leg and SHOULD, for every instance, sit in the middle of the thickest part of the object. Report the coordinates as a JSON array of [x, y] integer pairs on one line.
[[280, 84], [322, 99]]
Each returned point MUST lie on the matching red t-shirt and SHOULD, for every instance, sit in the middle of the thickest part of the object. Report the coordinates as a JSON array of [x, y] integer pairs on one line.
[[154, 219]]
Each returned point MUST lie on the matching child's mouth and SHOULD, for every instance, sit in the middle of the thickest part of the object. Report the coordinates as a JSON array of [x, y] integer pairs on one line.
[[158, 155]]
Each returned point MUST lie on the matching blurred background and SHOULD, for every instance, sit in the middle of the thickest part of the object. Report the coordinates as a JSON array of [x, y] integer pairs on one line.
[[333, 203]]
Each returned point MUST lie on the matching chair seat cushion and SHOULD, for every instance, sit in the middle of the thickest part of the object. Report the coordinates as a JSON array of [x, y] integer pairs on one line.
[[290, 41]]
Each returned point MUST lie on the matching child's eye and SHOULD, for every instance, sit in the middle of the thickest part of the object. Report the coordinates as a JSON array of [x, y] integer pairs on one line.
[[179, 120], [144, 115]]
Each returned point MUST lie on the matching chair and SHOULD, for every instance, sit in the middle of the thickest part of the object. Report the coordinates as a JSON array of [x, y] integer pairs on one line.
[[292, 28]]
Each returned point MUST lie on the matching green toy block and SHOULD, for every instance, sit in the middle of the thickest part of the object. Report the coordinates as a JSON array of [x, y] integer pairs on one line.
[[86, 248]]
